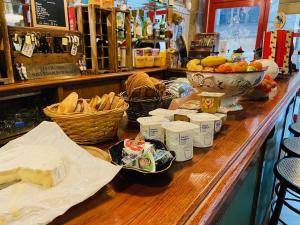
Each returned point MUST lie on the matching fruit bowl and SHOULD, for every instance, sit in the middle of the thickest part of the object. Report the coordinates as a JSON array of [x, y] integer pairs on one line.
[[232, 84]]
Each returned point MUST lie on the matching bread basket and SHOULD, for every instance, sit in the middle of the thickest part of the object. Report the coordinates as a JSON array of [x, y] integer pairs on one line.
[[141, 106], [88, 128]]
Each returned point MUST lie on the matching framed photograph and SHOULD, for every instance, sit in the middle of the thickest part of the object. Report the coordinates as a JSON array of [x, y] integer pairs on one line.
[[50, 14]]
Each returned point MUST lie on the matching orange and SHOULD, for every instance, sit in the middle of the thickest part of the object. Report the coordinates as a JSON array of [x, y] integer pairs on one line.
[[224, 68], [242, 63], [257, 65], [239, 68]]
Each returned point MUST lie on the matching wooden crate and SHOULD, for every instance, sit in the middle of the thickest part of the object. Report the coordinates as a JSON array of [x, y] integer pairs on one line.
[[127, 39], [96, 25]]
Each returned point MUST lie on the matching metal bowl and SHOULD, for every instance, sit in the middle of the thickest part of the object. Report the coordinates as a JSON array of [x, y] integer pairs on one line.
[[232, 84]]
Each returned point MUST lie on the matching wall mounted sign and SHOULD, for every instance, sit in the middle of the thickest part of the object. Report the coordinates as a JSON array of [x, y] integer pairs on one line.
[[51, 70], [50, 14]]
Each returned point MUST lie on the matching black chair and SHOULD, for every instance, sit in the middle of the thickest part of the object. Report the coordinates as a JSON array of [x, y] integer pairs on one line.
[[291, 146], [295, 129], [287, 172]]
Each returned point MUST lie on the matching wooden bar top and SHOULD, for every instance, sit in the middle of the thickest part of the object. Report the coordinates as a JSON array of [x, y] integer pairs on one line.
[[191, 192]]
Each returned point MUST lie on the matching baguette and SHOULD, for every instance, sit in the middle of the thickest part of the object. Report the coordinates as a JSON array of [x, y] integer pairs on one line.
[[95, 102], [85, 106], [115, 102], [69, 104], [120, 103], [104, 100], [111, 96], [79, 107]]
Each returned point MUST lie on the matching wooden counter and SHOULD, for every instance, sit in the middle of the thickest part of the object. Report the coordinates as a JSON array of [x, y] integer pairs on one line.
[[192, 192]]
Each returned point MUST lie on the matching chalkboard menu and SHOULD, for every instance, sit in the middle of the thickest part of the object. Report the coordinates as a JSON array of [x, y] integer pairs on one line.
[[50, 13]]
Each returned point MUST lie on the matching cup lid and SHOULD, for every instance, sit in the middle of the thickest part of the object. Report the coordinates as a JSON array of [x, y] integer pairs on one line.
[[179, 126], [211, 94], [162, 112], [151, 120], [203, 117]]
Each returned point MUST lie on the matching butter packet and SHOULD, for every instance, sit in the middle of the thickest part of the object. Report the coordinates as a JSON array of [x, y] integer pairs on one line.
[[145, 162], [161, 157]]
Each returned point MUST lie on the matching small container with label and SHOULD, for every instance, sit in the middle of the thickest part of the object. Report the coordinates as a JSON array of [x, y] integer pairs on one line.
[[157, 61], [139, 61], [165, 113], [210, 101], [147, 51], [149, 61], [138, 52], [179, 138], [155, 51], [151, 127], [204, 137]]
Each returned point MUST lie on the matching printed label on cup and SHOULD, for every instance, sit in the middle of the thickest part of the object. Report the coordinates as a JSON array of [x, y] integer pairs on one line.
[[184, 139]]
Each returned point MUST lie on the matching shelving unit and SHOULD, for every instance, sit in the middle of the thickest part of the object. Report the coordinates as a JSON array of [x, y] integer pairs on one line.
[[96, 25]]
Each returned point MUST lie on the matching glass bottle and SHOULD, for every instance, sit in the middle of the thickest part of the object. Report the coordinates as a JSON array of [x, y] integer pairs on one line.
[[162, 27], [156, 28], [148, 27], [138, 26]]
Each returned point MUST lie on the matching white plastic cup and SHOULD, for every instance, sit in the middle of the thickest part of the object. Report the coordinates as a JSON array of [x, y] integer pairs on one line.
[[151, 127], [179, 138], [204, 136]]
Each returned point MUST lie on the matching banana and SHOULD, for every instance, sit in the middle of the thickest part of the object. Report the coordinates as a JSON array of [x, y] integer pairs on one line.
[[213, 60], [194, 65]]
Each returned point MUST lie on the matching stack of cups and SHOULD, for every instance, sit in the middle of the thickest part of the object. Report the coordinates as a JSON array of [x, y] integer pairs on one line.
[[151, 127], [179, 138], [204, 136]]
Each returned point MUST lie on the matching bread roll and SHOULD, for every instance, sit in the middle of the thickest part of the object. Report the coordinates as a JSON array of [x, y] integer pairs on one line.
[[69, 104]]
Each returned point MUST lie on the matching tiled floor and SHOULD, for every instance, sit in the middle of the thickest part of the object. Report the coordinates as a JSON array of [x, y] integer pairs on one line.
[[289, 216]]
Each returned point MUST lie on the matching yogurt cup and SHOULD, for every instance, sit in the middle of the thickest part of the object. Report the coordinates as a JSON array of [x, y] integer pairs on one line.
[[165, 113], [151, 127], [222, 116], [208, 125], [179, 138]]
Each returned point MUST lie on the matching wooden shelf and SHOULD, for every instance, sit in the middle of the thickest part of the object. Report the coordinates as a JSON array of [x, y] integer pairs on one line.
[[54, 82]]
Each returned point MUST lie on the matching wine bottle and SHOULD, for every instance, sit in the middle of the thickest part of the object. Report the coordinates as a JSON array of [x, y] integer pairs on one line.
[[162, 27]]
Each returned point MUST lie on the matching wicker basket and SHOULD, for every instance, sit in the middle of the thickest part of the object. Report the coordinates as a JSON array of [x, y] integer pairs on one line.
[[88, 128], [139, 107]]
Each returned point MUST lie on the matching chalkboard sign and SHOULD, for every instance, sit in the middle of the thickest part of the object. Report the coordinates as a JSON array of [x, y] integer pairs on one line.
[[50, 13]]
